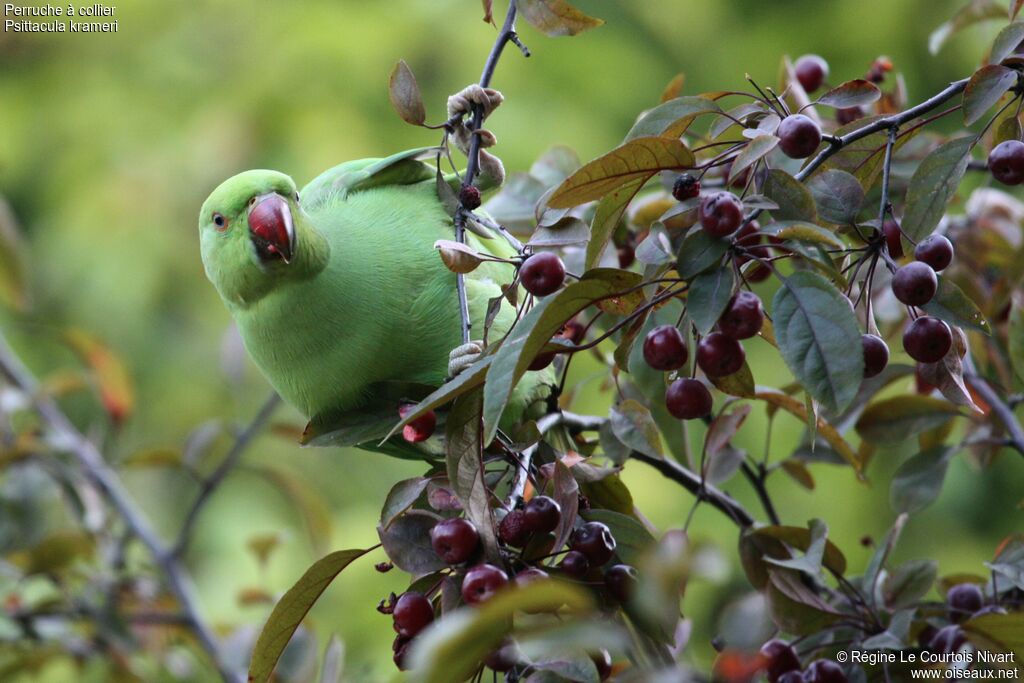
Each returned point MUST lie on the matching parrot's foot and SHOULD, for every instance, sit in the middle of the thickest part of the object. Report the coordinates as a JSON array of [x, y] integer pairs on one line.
[[461, 104], [463, 356]]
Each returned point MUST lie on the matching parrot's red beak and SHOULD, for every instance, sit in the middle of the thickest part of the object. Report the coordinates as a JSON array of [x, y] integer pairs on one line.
[[271, 228]]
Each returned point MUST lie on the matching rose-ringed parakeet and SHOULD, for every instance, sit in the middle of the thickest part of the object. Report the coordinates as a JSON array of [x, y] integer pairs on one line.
[[339, 294]]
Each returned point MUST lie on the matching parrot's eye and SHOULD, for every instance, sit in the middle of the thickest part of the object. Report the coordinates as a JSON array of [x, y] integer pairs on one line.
[[220, 221], [296, 197]]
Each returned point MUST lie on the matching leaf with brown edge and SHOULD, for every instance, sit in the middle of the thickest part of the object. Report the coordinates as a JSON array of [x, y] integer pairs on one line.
[[856, 93], [826, 431], [673, 88], [636, 160], [894, 419], [948, 374], [458, 257], [556, 17], [753, 151], [292, 608], [405, 94], [739, 383], [986, 86], [488, 11], [672, 118], [112, 381], [606, 219], [1015, 6]]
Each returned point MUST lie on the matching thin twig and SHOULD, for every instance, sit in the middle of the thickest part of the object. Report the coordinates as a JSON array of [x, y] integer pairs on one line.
[[211, 483], [109, 484], [1000, 408], [757, 480]]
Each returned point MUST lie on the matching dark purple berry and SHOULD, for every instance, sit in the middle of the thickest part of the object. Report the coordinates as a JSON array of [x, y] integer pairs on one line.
[[825, 671], [412, 613], [575, 564], [454, 540], [849, 115], [620, 580], [948, 640], [799, 136], [964, 599], [719, 355], [504, 657], [893, 238], [542, 273], [743, 316], [665, 348], [482, 582], [603, 662], [720, 213], [927, 340], [686, 187], [542, 514], [915, 283], [780, 658], [792, 677], [936, 251], [513, 530], [469, 196], [594, 540], [688, 399], [529, 575], [401, 649], [1006, 162], [811, 71], [876, 354]]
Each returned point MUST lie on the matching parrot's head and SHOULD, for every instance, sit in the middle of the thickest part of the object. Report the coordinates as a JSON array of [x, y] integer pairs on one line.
[[252, 232]]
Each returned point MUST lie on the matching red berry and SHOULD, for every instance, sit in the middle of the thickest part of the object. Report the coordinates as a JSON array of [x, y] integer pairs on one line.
[[825, 671], [665, 348], [936, 251], [620, 580], [512, 530], [811, 71], [927, 340], [627, 255], [541, 361], [575, 564], [529, 575], [469, 196], [686, 187], [401, 649], [964, 599], [915, 283], [482, 582], [412, 613], [747, 236], [419, 429], [594, 540], [542, 514], [799, 136], [603, 662], [758, 273], [876, 354], [948, 640], [542, 273], [504, 657], [1006, 162], [688, 399], [720, 213], [879, 68], [719, 355], [849, 115], [893, 239], [454, 540], [573, 330], [743, 316], [780, 658]]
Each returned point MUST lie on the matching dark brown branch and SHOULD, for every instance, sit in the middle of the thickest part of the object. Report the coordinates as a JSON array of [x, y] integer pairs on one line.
[[1002, 410], [704, 492], [109, 484]]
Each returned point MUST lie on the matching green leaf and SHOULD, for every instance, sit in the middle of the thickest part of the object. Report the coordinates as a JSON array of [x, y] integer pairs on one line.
[[633, 425], [1007, 40], [933, 185], [292, 608], [400, 498], [1009, 561], [631, 536], [986, 86], [471, 377], [407, 543], [952, 305], [909, 583], [794, 199], [656, 248], [795, 607], [814, 324], [708, 296], [635, 160], [801, 231], [720, 459], [918, 481], [894, 419], [803, 539], [856, 93], [1015, 334], [880, 557], [452, 648], [699, 252], [405, 94], [814, 551], [973, 12], [864, 158], [739, 383], [464, 462], [672, 118], [998, 633], [838, 195], [556, 18], [607, 217], [13, 263], [663, 570], [754, 150]]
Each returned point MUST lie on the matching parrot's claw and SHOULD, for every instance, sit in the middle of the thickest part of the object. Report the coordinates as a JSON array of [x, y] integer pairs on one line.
[[463, 356], [460, 105]]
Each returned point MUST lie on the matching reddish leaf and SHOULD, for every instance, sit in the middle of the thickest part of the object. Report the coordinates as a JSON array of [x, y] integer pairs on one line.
[[112, 380], [488, 14], [855, 93], [556, 17]]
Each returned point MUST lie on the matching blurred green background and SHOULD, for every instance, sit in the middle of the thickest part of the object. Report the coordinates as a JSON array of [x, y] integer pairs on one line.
[[109, 144]]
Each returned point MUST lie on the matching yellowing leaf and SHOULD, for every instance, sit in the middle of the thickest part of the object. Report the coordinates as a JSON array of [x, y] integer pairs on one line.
[[826, 431], [458, 257], [556, 17], [112, 381], [636, 160]]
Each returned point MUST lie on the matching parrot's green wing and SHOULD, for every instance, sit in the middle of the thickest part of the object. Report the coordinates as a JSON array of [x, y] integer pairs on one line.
[[403, 168]]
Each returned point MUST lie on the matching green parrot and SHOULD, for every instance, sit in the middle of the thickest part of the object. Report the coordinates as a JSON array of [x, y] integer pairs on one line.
[[341, 298]]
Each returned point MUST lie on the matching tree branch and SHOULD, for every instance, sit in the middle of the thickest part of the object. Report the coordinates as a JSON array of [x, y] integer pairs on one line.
[[1002, 410], [106, 480], [210, 484]]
